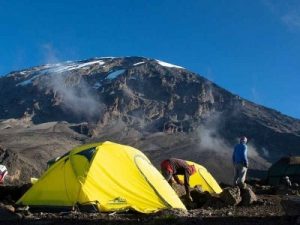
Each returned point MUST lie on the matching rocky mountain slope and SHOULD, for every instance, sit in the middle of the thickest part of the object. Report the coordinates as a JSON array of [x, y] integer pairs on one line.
[[160, 108]]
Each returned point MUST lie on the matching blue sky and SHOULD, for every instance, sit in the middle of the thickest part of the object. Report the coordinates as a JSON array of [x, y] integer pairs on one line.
[[251, 48]]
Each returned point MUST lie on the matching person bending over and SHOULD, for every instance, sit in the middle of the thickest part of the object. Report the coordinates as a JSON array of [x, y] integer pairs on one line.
[[172, 167]]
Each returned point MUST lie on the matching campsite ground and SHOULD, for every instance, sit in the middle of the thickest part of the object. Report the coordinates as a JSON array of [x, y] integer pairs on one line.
[[267, 210]]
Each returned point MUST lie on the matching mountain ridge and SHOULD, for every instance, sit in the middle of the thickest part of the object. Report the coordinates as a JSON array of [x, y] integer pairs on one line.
[[129, 99]]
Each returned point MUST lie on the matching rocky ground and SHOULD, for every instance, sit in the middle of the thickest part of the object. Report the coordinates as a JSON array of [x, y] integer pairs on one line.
[[267, 206]]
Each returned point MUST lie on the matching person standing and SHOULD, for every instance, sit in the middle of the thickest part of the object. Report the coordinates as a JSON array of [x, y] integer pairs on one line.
[[240, 162], [172, 167]]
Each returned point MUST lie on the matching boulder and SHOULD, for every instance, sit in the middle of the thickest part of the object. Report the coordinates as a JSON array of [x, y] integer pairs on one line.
[[248, 196], [231, 195], [205, 199], [179, 189], [214, 202], [199, 197]]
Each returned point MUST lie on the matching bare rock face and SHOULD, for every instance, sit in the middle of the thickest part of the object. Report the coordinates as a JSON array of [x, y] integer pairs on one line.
[[231, 195]]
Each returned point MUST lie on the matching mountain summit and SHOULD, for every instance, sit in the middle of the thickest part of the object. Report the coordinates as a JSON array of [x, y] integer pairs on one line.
[[160, 108]]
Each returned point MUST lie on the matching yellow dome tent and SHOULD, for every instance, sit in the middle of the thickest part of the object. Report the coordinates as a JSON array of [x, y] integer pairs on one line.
[[111, 176], [203, 178]]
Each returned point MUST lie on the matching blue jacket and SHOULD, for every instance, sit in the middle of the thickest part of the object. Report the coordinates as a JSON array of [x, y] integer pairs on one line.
[[240, 154]]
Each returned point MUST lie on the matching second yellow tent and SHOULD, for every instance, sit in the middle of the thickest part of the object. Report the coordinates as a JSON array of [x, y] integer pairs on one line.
[[204, 179]]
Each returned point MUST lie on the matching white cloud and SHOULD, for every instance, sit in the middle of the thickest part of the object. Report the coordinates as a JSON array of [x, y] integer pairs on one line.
[[49, 53], [255, 95], [76, 96], [288, 12], [209, 136], [292, 19], [209, 74]]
